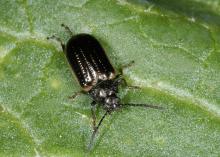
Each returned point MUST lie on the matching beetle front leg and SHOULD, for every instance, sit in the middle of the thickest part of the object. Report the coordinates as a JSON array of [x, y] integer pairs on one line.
[[125, 67], [120, 80], [76, 94]]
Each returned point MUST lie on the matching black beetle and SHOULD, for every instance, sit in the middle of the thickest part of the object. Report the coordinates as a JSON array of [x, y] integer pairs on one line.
[[95, 74]]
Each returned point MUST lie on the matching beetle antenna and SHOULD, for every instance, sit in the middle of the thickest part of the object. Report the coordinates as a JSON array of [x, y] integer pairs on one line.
[[143, 105], [96, 130]]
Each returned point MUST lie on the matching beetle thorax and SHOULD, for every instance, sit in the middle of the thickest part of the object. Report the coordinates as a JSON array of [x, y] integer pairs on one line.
[[107, 97]]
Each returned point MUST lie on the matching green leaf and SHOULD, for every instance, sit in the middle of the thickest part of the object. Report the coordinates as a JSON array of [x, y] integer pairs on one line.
[[176, 49]]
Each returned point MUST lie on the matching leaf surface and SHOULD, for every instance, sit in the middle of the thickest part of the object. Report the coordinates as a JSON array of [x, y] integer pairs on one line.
[[176, 49]]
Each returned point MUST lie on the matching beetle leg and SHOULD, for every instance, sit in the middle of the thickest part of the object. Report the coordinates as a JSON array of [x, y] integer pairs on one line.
[[57, 39], [96, 130], [93, 109], [76, 94], [67, 29], [120, 80], [132, 87], [125, 67]]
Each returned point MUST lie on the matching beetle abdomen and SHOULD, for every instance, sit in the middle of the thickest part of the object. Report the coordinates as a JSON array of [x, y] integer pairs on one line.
[[88, 61]]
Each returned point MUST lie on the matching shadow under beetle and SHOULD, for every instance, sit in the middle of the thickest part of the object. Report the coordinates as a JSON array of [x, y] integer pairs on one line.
[[95, 75]]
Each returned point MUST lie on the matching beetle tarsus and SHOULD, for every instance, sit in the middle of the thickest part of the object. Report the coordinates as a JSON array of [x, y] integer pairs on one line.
[[76, 95], [125, 67], [58, 40]]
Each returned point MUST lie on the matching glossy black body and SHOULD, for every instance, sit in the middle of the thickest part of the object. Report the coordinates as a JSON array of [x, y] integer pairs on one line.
[[95, 74], [88, 61], [93, 70]]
